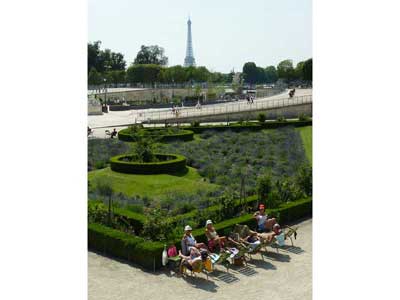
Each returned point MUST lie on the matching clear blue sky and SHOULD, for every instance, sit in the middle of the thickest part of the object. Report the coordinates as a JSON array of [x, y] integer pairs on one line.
[[226, 33]]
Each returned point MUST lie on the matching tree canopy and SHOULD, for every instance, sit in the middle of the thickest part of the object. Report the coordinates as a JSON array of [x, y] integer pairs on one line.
[[250, 72], [286, 70], [151, 55], [271, 75], [307, 69], [104, 60]]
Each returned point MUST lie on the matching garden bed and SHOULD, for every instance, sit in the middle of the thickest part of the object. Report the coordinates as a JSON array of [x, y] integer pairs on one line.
[[163, 135], [168, 163]]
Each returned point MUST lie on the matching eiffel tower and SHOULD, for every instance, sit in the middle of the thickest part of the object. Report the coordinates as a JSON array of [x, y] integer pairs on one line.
[[189, 59]]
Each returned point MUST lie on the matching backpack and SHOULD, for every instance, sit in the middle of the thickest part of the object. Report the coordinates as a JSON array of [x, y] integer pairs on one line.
[[172, 251]]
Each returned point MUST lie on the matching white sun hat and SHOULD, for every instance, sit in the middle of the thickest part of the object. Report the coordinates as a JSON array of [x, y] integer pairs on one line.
[[187, 227], [208, 222]]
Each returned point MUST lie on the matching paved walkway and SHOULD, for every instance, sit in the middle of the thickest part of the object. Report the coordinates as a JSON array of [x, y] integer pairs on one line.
[[119, 118], [287, 275]]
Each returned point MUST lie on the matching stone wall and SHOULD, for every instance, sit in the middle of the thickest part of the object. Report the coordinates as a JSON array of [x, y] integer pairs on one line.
[[164, 95]]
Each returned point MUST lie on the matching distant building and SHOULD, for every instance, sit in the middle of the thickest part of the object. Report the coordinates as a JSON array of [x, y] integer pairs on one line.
[[189, 59]]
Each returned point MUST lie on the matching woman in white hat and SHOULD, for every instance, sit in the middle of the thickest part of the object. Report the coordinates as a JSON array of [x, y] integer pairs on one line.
[[213, 237], [188, 241]]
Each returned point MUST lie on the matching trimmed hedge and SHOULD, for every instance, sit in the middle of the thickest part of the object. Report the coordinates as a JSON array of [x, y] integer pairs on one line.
[[250, 126], [176, 163], [119, 244], [111, 241], [148, 254], [181, 135]]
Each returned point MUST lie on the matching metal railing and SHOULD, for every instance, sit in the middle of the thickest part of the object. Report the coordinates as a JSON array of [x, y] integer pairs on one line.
[[231, 108]]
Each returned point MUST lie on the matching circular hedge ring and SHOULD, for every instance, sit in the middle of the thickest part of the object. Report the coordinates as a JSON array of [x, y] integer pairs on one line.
[[182, 135], [170, 163]]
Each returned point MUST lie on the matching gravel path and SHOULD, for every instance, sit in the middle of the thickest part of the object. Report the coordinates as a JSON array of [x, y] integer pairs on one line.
[[287, 275]]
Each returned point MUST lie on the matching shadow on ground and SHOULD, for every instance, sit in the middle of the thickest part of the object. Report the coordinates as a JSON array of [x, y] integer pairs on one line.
[[263, 264], [292, 249], [277, 256], [200, 282], [224, 276]]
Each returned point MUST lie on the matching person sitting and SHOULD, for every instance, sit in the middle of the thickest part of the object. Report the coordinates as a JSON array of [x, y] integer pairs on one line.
[[189, 261], [188, 241], [213, 238], [276, 231], [113, 133], [263, 223], [252, 240]]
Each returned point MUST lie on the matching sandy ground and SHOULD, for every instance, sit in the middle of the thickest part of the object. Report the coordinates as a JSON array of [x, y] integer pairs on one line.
[[287, 275]]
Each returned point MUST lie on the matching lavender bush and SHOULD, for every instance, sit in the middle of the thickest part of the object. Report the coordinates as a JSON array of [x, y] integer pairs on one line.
[[224, 157]]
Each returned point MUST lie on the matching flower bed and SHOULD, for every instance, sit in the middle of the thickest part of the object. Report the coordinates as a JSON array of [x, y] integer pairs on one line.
[[169, 163]]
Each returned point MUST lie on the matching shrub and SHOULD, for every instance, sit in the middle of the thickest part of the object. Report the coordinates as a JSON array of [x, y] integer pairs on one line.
[[304, 179], [195, 123], [261, 118], [157, 226], [122, 219], [304, 117], [264, 186], [143, 150], [169, 163], [281, 118]]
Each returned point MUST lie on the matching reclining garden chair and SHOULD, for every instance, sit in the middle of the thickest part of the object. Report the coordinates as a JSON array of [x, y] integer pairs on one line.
[[197, 267], [240, 232], [279, 241], [292, 231]]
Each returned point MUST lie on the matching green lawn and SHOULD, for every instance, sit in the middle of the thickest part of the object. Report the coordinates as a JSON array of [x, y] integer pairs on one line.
[[306, 136], [153, 186]]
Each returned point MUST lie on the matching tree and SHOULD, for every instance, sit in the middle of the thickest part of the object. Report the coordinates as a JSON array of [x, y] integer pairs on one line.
[[94, 77], [151, 55], [117, 62], [116, 76], [271, 75], [298, 71], [285, 70], [261, 78], [105, 189], [307, 70], [177, 74], [201, 74], [143, 73], [104, 60], [93, 54], [250, 72], [304, 179]]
